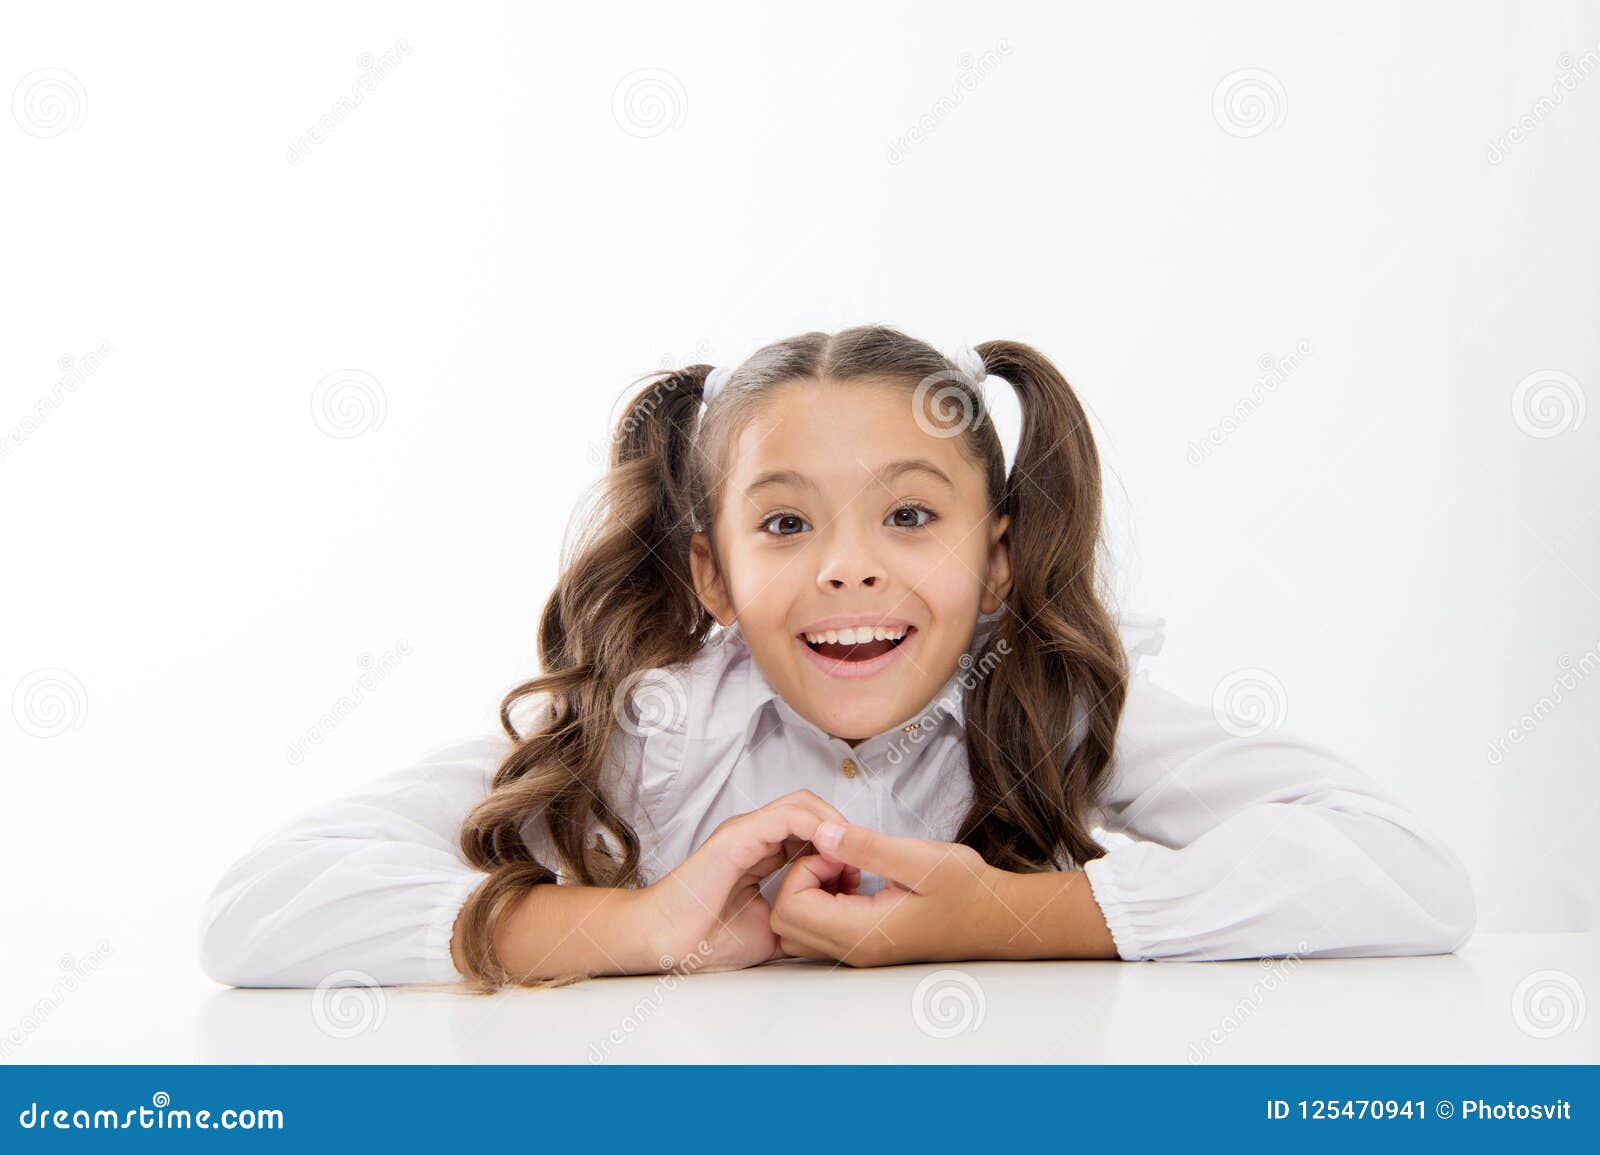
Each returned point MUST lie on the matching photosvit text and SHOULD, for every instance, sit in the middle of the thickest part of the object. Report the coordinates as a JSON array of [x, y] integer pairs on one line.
[[1415, 1109]]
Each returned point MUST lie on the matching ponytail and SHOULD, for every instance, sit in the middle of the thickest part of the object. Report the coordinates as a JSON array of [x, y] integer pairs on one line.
[[624, 602], [1064, 676]]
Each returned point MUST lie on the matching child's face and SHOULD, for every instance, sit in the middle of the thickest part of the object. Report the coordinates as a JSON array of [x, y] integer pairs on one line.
[[852, 543]]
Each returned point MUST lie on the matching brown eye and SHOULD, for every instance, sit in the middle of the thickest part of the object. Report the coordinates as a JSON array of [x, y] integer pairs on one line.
[[782, 518], [913, 510]]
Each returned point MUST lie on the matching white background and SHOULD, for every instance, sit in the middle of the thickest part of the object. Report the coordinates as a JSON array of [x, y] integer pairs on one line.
[[199, 564]]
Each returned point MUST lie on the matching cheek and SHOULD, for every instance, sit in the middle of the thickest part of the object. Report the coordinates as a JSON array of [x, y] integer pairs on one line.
[[950, 583], [764, 581]]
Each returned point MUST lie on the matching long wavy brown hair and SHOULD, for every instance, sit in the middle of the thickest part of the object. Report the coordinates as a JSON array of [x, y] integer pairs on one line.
[[625, 602]]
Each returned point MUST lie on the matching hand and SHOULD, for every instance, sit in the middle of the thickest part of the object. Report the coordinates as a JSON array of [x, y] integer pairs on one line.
[[714, 896], [939, 901]]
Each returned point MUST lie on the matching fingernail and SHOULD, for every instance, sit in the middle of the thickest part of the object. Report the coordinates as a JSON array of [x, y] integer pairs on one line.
[[828, 835]]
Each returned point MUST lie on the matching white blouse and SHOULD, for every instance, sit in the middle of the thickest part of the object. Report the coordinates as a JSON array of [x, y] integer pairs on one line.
[[1220, 846]]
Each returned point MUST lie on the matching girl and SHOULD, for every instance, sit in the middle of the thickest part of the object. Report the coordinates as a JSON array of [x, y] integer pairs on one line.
[[826, 678]]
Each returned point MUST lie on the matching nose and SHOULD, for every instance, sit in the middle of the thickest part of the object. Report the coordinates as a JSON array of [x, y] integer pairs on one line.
[[850, 561]]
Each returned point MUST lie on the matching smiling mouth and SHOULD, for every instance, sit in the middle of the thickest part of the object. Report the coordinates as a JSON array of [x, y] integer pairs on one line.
[[858, 651]]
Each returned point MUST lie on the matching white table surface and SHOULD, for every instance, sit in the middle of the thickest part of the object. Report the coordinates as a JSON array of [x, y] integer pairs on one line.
[[1441, 1009]]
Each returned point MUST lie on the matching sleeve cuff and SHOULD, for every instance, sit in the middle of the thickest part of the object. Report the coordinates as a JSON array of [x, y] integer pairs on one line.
[[1107, 891], [441, 968]]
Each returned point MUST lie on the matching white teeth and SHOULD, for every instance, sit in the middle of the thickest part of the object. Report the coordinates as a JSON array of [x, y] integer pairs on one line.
[[856, 635]]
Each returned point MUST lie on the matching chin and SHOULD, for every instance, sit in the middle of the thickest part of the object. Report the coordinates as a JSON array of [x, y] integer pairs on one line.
[[854, 727]]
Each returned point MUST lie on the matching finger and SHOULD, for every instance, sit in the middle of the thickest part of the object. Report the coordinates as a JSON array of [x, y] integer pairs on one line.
[[791, 849], [803, 799], [817, 805], [845, 881], [811, 801], [777, 860], [798, 949], [812, 877], [746, 840], [813, 872], [908, 861], [806, 912], [809, 897], [835, 923]]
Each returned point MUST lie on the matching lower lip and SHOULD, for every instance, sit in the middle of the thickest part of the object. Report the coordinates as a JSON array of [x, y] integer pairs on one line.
[[839, 668]]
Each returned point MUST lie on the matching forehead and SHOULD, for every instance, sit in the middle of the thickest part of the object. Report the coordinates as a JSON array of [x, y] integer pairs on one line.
[[837, 437]]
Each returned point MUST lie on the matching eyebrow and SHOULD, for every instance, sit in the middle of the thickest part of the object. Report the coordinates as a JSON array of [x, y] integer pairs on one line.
[[884, 475]]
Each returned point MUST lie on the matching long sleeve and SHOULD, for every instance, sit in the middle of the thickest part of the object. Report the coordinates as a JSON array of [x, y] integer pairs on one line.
[[370, 884], [1263, 845]]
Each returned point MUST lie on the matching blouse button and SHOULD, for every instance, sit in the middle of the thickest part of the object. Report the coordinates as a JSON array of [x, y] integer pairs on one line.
[[849, 767]]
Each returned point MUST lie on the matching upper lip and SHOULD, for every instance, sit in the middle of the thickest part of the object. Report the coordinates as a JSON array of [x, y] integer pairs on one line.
[[844, 621]]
